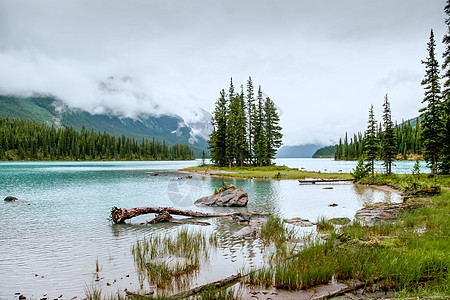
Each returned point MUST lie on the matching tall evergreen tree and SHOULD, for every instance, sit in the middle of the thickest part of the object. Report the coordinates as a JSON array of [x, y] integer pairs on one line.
[[230, 144], [388, 150], [250, 118], [445, 159], [431, 114], [217, 139], [371, 143], [272, 129], [260, 138], [241, 144]]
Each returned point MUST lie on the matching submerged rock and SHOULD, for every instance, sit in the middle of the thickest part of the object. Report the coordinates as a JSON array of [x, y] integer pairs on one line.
[[300, 222], [11, 198], [242, 217], [230, 197]]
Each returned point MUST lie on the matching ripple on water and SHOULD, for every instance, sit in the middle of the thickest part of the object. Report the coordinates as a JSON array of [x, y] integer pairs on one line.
[[60, 229]]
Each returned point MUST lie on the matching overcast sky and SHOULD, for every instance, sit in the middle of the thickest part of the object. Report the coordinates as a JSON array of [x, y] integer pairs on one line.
[[323, 62]]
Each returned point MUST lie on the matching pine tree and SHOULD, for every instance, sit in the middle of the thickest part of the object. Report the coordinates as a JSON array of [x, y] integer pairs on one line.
[[272, 129], [231, 126], [217, 140], [431, 114], [445, 160], [250, 118], [260, 138], [388, 150], [241, 150], [371, 143]]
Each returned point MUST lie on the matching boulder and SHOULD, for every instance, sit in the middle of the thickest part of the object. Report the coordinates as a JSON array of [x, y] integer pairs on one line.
[[381, 211], [11, 198], [300, 222], [230, 197]]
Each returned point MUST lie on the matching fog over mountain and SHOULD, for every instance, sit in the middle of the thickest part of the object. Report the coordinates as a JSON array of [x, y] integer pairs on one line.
[[322, 62]]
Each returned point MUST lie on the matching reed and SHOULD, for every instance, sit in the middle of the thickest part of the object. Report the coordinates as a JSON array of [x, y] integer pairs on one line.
[[93, 292], [168, 261], [409, 255]]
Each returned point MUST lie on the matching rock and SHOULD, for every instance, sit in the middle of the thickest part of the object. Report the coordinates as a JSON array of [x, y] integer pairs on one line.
[[300, 222], [230, 197], [249, 232], [11, 198], [332, 205], [242, 217], [339, 221], [22, 297], [384, 211]]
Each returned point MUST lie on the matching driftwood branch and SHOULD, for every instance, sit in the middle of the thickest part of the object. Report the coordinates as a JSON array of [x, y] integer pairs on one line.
[[119, 215], [214, 285], [165, 216]]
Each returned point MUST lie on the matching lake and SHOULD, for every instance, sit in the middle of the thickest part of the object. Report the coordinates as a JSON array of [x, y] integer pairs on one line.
[[52, 237]]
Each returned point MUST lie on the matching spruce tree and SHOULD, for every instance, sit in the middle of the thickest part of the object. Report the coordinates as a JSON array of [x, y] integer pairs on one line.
[[241, 150], [445, 159], [217, 139], [371, 143], [250, 118], [260, 139], [431, 114], [231, 126], [272, 129], [388, 151]]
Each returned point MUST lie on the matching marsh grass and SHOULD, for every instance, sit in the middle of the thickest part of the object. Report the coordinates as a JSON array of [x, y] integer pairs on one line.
[[324, 224], [408, 182], [409, 255], [93, 292], [280, 235], [169, 261], [265, 172]]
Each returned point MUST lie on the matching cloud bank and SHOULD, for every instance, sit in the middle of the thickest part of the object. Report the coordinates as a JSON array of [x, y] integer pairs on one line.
[[322, 62]]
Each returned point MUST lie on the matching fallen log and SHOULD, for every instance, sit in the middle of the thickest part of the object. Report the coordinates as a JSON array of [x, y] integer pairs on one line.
[[119, 215], [165, 216], [213, 285]]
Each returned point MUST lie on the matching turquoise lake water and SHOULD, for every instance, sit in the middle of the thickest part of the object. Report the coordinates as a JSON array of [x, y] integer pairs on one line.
[[52, 237]]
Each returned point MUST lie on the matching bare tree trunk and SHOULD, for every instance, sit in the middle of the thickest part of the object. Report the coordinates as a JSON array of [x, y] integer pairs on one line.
[[119, 215]]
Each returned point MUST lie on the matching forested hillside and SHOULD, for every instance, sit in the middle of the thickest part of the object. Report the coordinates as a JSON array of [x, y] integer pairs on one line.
[[48, 110], [28, 140], [407, 143]]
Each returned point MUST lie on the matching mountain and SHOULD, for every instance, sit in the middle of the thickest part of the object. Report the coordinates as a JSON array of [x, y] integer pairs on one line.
[[325, 152], [47, 109], [297, 151]]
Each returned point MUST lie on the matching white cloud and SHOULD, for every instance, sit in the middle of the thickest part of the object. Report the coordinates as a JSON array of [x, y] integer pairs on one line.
[[322, 62]]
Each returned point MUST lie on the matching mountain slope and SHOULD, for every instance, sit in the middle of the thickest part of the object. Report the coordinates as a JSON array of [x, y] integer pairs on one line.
[[51, 111]]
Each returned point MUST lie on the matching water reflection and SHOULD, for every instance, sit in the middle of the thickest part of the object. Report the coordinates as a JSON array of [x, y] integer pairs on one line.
[[61, 227]]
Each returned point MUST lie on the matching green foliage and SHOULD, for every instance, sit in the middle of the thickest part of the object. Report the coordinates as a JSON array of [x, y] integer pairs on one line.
[[361, 170], [444, 166], [238, 138], [223, 187], [27, 140], [327, 151], [217, 139], [388, 151], [409, 255], [371, 140], [432, 113]]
